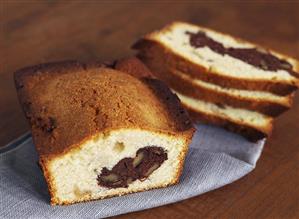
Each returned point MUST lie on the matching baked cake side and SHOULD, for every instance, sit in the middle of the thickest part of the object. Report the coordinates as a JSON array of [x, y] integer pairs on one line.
[[88, 121]]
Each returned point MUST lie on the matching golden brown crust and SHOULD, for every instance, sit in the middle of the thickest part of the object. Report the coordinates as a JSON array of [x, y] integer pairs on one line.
[[151, 51], [43, 162], [246, 131], [193, 90], [67, 103], [134, 67], [182, 157]]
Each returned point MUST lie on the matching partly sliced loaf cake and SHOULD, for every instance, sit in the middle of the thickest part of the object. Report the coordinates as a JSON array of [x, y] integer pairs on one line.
[[100, 132], [252, 125], [220, 59]]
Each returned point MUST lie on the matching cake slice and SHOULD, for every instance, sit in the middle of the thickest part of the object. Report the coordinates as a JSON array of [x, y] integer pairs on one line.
[[260, 101], [220, 59], [100, 132], [251, 125]]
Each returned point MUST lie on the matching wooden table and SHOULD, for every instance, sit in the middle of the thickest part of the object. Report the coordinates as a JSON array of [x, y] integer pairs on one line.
[[42, 31]]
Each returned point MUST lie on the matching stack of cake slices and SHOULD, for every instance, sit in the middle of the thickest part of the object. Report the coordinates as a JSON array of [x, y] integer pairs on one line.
[[220, 79]]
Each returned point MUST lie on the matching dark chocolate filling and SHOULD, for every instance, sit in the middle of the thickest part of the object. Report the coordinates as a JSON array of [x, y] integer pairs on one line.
[[252, 56], [127, 170]]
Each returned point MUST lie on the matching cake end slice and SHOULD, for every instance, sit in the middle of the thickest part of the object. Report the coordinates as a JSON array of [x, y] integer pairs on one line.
[[220, 59]]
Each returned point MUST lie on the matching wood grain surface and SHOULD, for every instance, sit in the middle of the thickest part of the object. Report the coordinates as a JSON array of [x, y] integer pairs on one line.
[[42, 31]]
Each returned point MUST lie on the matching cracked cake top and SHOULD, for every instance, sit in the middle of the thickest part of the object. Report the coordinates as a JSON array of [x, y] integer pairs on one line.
[[70, 102]]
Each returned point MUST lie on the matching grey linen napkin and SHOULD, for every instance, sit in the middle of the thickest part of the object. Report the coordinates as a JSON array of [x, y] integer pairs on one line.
[[216, 158]]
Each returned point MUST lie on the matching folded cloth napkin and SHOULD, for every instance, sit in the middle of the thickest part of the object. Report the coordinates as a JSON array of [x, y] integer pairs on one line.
[[216, 158]]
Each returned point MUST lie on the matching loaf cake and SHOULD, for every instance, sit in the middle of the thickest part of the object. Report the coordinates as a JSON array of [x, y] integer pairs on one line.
[[221, 79], [100, 131]]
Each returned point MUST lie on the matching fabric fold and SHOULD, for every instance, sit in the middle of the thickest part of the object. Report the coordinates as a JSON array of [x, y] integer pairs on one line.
[[216, 158]]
